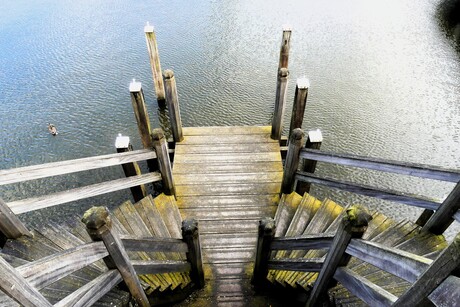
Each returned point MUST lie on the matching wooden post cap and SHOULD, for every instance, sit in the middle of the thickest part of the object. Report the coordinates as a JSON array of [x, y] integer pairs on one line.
[[135, 86], [283, 72], [168, 74], [122, 141], [190, 227], [315, 136], [267, 225], [358, 216], [96, 217], [296, 135], [157, 134], [148, 28], [303, 83]]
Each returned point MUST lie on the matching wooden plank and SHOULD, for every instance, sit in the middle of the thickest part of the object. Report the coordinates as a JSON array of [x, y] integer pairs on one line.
[[230, 240], [143, 267], [224, 148], [92, 291], [228, 255], [228, 226], [10, 225], [72, 166], [228, 158], [363, 288], [457, 216], [229, 178], [228, 189], [227, 201], [224, 130], [229, 213], [318, 241], [48, 270], [36, 203], [215, 167], [384, 165], [228, 139], [167, 245], [366, 190], [298, 265], [398, 262], [286, 210], [447, 293]]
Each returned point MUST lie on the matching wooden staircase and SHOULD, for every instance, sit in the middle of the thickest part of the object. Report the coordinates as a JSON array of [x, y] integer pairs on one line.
[[147, 218], [302, 216]]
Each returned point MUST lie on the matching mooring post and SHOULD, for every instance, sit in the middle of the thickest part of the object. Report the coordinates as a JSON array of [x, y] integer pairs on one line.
[[10, 225], [140, 111], [265, 237], [353, 225], [314, 140], [280, 102], [292, 161], [154, 56], [172, 100], [300, 100], [160, 144], [285, 47], [99, 227], [191, 236], [122, 144]]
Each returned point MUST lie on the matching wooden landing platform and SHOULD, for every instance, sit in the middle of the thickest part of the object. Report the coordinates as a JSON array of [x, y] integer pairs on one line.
[[227, 178]]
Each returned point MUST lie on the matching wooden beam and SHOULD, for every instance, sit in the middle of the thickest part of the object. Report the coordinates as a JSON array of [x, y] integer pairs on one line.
[[140, 112], [164, 163], [99, 227], [10, 225], [158, 267], [172, 100], [444, 215], [353, 225], [300, 101], [36, 203], [298, 265], [285, 47], [384, 165], [18, 288], [152, 47], [307, 242], [26, 173], [292, 161], [405, 265], [366, 190], [447, 293], [280, 102], [191, 237], [363, 288], [167, 245], [314, 140]]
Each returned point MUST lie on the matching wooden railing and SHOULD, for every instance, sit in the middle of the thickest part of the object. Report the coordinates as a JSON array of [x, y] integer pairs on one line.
[[437, 216], [24, 282]]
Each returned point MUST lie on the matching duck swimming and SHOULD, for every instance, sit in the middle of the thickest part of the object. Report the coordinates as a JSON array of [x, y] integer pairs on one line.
[[52, 129]]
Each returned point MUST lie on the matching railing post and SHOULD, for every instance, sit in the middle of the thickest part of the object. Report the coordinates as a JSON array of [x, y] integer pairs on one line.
[[191, 236], [10, 225], [285, 47], [292, 161], [300, 100], [265, 237], [99, 227], [314, 140], [160, 144], [140, 111], [353, 225], [172, 100], [122, 144], [443, 217], [280, 101], [152, 47]]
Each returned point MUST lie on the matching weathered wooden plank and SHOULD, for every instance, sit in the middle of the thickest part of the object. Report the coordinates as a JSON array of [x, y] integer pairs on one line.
[[228, 255], [151, 244], [228, 158], [286, 210], [92, 291], [228, 189], [225, 148], [384, 165], [164, 163], [229, 178], [18, 288], [298, 265], [230, 240], [215, 167], [363, 288], [10, 225], [72, 166], [447, 293], [47, 270], [228, 226], [226, 130], [227, 139], [318, 241], [230, 213], [398, 262], [227, 201], [170, 214], [36, 203], [457, 216], [156, 267], [366, 190]]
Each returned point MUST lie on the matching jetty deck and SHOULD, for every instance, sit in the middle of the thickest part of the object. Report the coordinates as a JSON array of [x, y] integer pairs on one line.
[[227, 178]]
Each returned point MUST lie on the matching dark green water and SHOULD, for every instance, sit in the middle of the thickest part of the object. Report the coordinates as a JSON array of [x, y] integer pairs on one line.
[[385, 81]]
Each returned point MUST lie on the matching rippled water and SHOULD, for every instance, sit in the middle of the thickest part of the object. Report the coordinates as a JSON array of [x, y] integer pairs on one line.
[[385, 81]]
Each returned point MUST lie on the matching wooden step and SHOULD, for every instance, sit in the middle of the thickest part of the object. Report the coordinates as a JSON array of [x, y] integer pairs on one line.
[[286, 210]]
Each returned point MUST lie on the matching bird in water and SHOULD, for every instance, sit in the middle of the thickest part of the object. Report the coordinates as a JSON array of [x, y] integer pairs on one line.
[[52, 129]]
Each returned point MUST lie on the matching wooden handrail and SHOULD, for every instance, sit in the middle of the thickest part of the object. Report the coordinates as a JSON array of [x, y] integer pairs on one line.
[[26, 173], [384, 165], [302, 242]]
